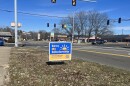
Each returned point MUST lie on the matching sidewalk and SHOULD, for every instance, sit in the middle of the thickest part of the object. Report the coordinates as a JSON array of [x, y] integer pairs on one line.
[[4, 59]]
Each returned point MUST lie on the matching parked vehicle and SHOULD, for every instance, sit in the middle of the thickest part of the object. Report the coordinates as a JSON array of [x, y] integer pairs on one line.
[[1, 42]]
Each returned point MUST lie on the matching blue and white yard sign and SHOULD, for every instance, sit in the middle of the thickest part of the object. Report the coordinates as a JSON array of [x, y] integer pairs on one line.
[[59, 51]]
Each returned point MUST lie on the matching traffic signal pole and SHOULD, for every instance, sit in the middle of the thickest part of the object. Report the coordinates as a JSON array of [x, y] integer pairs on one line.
[[73, 29]]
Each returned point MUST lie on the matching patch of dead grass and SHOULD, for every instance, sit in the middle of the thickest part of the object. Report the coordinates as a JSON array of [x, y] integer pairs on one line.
[[30, 69]]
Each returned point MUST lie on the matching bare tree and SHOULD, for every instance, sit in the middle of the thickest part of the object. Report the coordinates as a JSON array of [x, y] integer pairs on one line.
[[88, 23], [57, 31], [78, 30], [81, 22], [97, 23], [106, 32], [34, 35], [42, 34], [46, 35], [69, 23]]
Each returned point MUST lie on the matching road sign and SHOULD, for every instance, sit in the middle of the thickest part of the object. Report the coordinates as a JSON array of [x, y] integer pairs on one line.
[[38, 36], [60, 51], [52, 34]]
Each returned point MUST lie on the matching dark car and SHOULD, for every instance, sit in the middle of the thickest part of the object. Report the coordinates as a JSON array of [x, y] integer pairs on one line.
[[114, 41], [93, 42], [98, 42], [1, 42]]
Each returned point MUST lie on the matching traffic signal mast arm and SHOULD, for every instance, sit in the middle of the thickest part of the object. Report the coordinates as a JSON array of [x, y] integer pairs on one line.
[[114, 20], [118, 20]]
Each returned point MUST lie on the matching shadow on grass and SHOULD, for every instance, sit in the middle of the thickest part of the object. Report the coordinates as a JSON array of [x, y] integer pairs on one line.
[[55, 63]]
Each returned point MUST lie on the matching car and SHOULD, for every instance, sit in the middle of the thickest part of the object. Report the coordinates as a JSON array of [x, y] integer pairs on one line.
[[93, 43], [98, 42], [114, 41], [1, 42]]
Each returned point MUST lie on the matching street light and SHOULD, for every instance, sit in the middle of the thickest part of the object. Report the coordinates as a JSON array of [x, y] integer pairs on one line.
[[18, 24], [16, 21]]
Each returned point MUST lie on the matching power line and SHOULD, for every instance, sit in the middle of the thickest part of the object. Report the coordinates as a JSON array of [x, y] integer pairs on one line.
[[33, 14], [43, 15]]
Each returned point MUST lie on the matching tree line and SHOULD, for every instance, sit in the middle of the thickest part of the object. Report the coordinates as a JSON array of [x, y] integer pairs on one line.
[[31, 35], [86, 24]]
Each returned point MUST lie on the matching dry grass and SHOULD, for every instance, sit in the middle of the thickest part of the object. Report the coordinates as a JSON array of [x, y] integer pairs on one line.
[[28, 68]]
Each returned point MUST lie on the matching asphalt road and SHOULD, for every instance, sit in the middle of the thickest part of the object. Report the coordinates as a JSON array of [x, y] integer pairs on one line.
[[115, 57], [122, 45], [104, 54]]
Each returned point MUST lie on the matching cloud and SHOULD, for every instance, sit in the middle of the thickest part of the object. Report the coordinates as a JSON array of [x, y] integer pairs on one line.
[[107, 10], [122, 28], [56, 13]]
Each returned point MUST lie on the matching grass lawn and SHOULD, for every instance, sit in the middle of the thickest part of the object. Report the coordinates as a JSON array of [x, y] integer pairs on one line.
[[27, 67]]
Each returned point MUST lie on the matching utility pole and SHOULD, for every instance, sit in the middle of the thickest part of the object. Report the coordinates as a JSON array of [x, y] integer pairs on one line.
[[73, 30], [122, 36], [16, 23], [122, 31], [74, 13]]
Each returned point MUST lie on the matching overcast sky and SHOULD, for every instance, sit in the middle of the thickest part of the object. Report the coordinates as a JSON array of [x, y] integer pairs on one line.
[[114, 9]]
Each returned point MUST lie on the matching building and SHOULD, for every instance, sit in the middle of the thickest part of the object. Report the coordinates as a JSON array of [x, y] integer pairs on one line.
[[5, 35], [86, 39], [61, 37], [119, 38]]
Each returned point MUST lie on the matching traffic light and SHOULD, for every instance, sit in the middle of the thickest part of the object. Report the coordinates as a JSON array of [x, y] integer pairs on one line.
[[54, 25], [47, 24], [53, 1], [119, 20], [73, 2], [108, 22], [63, 26]]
